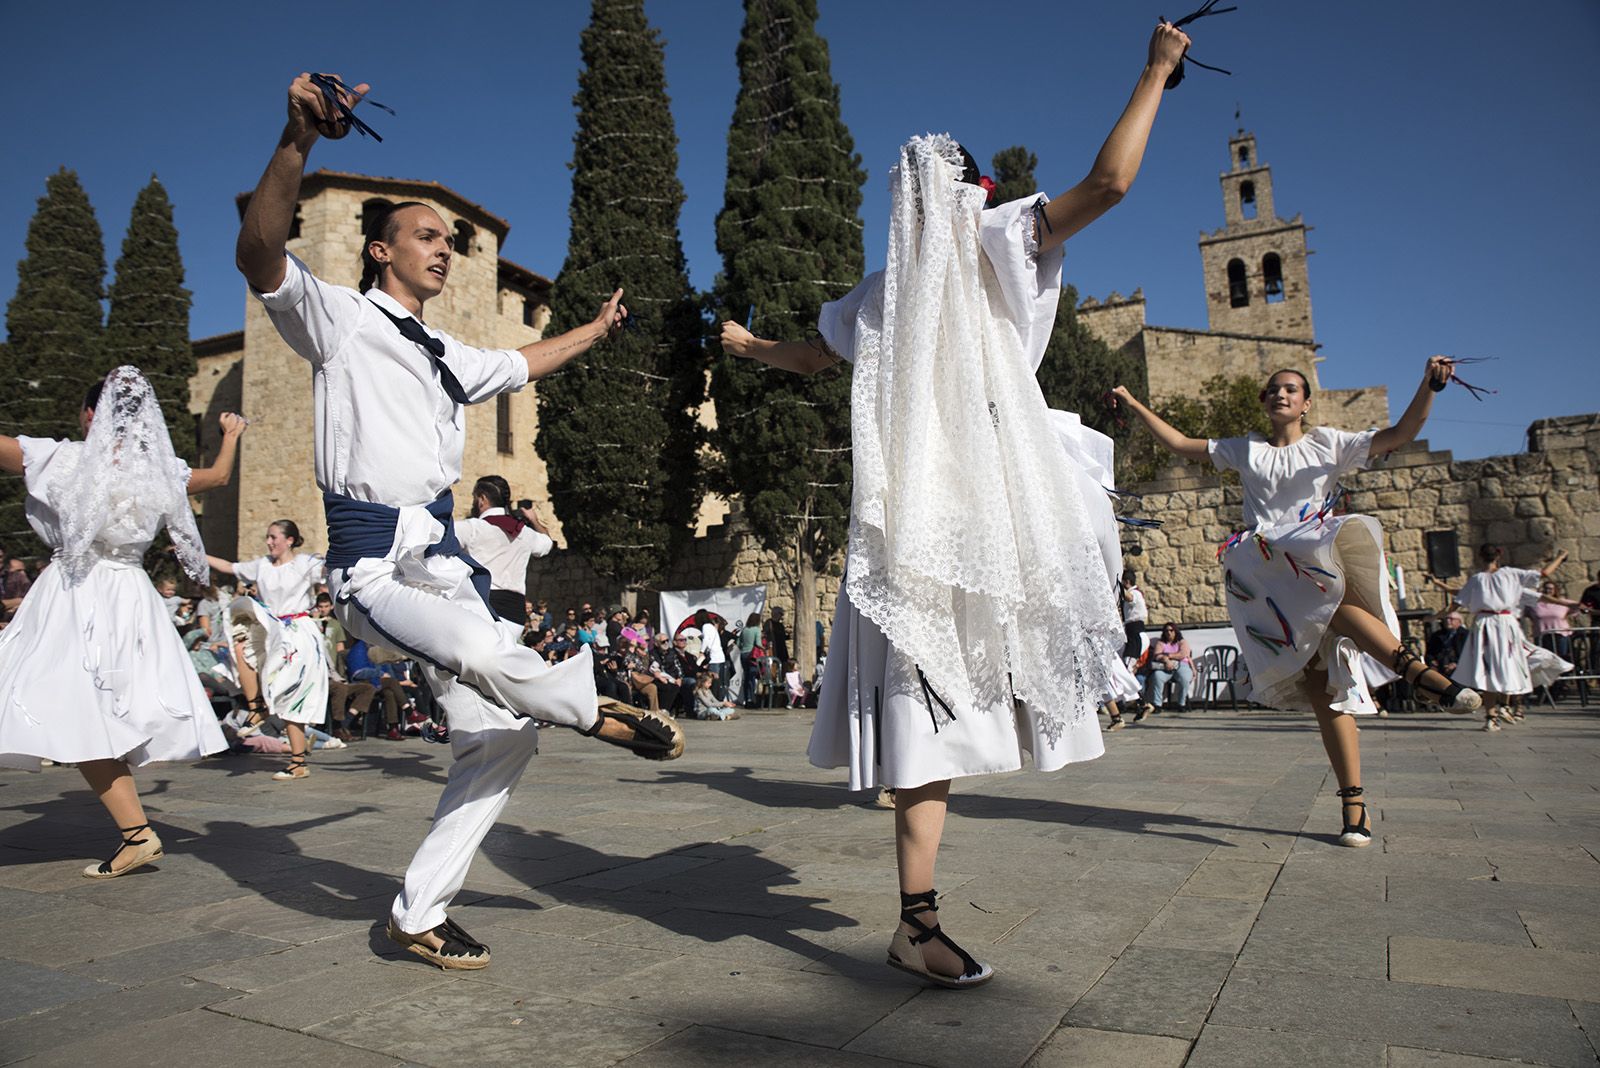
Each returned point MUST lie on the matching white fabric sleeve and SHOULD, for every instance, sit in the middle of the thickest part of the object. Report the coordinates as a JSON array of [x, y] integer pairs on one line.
[[542, 543], [1228, 454], [313, 317], [249, 570], [837, 320], [1529, 579], [470, 533], [1351, 451], [36, 455], [315, 566], [1029, 283], [485, 373]]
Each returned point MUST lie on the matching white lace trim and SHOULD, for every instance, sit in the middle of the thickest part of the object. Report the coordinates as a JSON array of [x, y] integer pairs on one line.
[[118, 488], [968, 547]]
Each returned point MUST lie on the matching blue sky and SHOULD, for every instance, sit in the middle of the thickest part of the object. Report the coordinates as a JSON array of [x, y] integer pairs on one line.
[[1446, 155]]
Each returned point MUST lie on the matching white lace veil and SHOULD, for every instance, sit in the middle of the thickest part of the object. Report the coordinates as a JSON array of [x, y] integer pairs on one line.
[[127, 483], [968, 547]]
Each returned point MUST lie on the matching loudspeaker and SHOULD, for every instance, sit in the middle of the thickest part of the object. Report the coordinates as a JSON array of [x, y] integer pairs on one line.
[[1443, 551]]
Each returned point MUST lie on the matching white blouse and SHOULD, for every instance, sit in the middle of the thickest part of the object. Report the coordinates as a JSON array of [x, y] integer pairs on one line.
[[1504, 589], [1280, 480], [1030, 284], [286, 589]]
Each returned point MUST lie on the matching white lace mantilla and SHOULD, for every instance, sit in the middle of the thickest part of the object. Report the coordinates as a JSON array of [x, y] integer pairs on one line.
[[117, 490], [967, 547]]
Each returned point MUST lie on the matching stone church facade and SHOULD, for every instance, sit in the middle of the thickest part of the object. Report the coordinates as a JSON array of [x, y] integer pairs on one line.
[[1258, 305]]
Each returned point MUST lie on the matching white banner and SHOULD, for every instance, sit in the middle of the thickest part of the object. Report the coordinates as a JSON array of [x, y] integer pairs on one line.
[[733, 603]]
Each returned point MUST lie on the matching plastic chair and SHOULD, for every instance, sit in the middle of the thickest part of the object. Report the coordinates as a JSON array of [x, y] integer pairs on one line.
[[1227, 661]]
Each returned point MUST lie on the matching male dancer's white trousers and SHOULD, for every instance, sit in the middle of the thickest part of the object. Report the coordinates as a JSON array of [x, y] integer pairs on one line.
[[478, 670]]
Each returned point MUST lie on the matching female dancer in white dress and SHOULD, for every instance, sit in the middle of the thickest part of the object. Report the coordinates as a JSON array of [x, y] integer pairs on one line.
[[974, 624], [1498, 660], [92, 671], [1308, 589], [277, 646]]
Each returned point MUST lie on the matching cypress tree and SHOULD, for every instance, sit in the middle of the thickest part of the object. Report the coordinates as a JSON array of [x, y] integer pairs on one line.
[[1013, 173], [53, 325], [149, 321], [1078, 367], [617, 428], [790, 238]]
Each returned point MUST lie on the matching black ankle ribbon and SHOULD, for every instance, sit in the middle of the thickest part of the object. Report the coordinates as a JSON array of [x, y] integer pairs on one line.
[[1205, 10], [1438, 384], [333, 91]]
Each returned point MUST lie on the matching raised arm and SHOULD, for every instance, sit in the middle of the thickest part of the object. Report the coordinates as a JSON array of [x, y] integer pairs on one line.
[[1175, 442], [219, 564], [1416, 413], [801, 357], [10, 455], [1549, 569], [220, 473], [1118, 162], [550, 354], [270, 213]]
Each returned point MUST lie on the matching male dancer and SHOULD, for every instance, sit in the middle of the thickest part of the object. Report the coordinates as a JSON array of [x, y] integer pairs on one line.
[[390, 431]]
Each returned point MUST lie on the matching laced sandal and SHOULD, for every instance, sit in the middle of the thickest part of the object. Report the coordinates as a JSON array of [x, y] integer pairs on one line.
[[653, 735], [295, 769], [1490, 722], [1432, 687], [1116, 723], [905, 950], [1356, 834], [459, 953], [141, 851]]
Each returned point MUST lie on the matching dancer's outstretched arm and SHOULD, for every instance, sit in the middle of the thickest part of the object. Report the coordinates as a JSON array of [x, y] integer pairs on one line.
[[265, 229], [220, 473], [1549, 569], [801, 357], [550, 354], [10, 455], [1118, 162], [1172, 439], [1416, 413]]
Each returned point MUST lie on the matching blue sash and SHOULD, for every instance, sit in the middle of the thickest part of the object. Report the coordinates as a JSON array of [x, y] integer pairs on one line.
[[360, 530]]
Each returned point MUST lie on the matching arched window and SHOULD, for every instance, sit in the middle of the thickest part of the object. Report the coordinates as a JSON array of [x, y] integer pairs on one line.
[[1247, 199], [371, 210], [1272, 271], [502, 424], [294, 228], [1244, 155], [1238, 285], [465, 232]]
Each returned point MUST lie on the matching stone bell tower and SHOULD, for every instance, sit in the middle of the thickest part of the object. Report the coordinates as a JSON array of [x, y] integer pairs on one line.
[[1255, 266]]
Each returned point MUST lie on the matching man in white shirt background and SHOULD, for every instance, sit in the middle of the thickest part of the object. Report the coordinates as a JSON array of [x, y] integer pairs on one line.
[[390, 431], [503, 543]]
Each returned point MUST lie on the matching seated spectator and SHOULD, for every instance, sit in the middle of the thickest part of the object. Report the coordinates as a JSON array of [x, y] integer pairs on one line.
[[706, 703], [799, 694], [388, 680], [640, 678], [672, 669], [1446, 643], [1169, 658], [14, 584]]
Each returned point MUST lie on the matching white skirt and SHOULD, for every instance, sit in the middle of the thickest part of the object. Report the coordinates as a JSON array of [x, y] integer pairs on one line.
[[877, 717], [289, 658], [96, 672], [1283, 586], [1499, 658]]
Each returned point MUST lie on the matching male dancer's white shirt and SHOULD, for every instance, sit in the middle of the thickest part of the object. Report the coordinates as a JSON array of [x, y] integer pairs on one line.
[[383, 449], [506, 558]]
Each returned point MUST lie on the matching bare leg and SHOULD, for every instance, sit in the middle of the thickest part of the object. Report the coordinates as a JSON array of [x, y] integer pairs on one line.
[[1373, 637], [249, 682], [918, 826], [299, 747], [1339, 738], [113, 783]]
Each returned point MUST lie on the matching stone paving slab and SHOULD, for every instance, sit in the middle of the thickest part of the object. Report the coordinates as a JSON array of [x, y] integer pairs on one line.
[[1179, 902]]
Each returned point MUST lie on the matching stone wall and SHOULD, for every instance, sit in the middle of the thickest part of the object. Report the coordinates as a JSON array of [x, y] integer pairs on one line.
[[1532, 503]]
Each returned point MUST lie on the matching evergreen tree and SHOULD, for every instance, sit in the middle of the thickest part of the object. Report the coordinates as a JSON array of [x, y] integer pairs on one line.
[[1078, 367], [790, 238], [53, 325], [149, 321], [617, 427], [1013, 173]]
